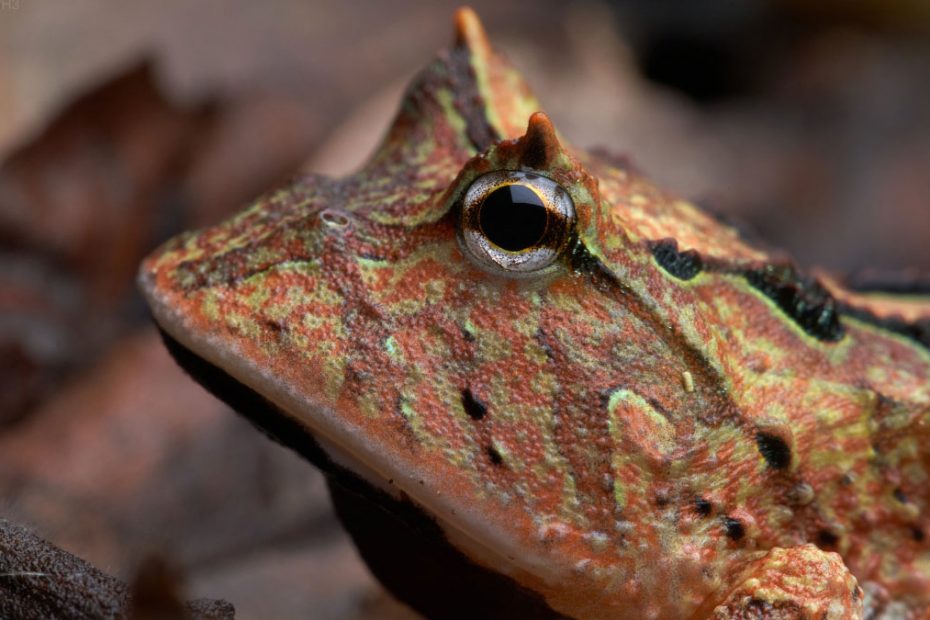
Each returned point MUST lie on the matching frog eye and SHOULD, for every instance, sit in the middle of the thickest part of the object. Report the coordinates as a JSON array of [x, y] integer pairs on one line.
[[516, 223]]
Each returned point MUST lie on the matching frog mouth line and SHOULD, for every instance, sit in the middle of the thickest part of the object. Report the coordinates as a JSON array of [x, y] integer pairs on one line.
[[272, 405], [403, 545]]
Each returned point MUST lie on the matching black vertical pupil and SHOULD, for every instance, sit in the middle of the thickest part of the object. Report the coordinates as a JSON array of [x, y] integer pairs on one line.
[[513, 217]]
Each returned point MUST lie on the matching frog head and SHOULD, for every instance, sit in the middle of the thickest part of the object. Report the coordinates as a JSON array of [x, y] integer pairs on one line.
[[481, 322], [442, 321]]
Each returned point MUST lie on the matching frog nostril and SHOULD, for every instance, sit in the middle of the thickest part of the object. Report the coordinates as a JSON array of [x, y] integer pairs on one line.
[[334, 218]]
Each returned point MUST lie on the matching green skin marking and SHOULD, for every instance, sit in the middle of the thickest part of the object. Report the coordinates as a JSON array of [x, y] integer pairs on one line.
[[653, 444]]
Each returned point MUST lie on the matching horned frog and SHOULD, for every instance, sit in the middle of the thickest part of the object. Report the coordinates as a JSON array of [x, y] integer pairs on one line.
[[540, 386]]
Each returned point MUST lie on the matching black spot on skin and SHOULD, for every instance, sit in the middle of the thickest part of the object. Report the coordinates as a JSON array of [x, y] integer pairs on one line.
[[735, 528], [274, 326], [475, 409], [495, 456], [467, 335], [774, 450], [827, 539], [917, 533], [801, 297], [683, 265], [702, 507], [899, 495], [662, 499]]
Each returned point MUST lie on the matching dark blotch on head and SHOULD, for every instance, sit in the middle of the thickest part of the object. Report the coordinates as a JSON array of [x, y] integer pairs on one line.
[[495, 456], [827, 539], [470, 104], [682, 265], [735, 528], [702, 506], [917, 533], [475, 409], [801, 297], [899, 495], [774, 450]]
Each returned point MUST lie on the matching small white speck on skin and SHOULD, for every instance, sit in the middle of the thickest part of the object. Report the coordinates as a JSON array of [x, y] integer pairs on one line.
[[688, 381], [782, 514], [581, 565], [803, 493], [598, 540], [910, 511], [552, 531], [624, 527]]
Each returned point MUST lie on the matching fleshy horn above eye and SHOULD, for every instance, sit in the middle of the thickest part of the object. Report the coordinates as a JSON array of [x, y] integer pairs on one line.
[[515, 223]]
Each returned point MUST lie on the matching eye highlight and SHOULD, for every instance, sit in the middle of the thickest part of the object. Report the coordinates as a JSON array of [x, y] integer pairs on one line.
[[516, 223]]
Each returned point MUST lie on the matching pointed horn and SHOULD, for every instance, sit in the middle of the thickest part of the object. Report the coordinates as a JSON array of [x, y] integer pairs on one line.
[[540, 144], [469, 33]]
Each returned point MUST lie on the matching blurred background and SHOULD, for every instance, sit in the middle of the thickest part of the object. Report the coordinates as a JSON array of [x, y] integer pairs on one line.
[[124, 123]]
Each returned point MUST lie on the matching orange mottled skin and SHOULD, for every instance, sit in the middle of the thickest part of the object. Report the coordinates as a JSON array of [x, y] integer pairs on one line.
[[699, 435]]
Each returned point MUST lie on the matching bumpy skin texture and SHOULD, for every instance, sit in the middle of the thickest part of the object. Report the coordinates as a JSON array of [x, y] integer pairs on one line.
[[669, 424]]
